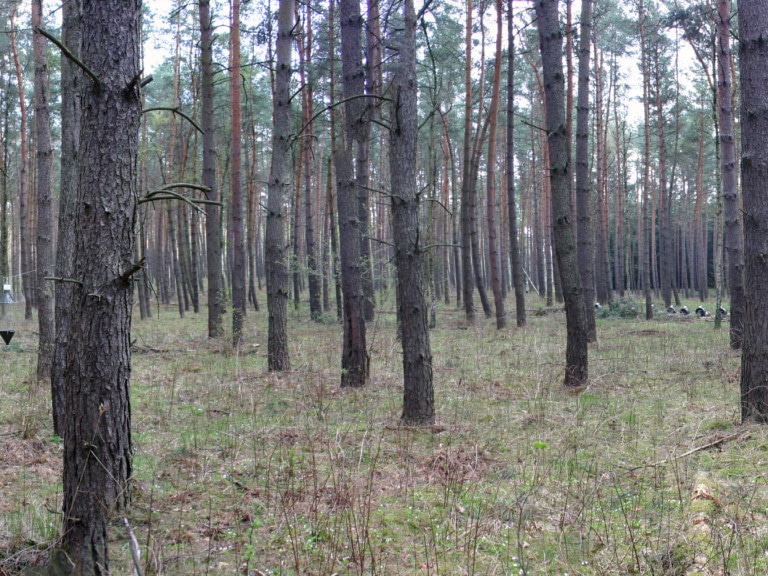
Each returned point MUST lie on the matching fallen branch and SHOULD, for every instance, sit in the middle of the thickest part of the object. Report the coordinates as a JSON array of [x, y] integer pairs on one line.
[[715, 443]]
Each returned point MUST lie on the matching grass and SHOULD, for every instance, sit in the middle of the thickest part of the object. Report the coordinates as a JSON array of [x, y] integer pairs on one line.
[[241, 471]]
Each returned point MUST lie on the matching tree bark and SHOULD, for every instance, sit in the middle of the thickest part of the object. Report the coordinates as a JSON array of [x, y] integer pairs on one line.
[[518, 279], [642, 236], [490, 205], [235, 177], [354, 362], [97, 439], [313, 266], [753, 53], [418, 397], [467, 281], [550, 38], [24, 162], [71, 79], [45, 227], [729, 169], [278, 357], [585, 236], [212, 211]]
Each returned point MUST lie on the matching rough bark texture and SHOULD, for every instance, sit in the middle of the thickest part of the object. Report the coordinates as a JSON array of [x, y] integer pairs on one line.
[[44, 201], [644, 262], [550, 38], [490, 205], [585, 237], [354, 360], [753, 53], [238, 227], [97, 435], [313, 263], [274, 243], [518, 279], [468, 283], [212, 211], [666, 248], [418, 398], [733, 244]]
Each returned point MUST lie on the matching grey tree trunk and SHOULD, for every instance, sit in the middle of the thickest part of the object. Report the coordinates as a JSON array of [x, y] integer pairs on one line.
[[550, 39], [354, 361], [44, 202], [238, 214], [71, 79], [97, 443], [518, 279], [313, 262], [753, 54], [274, 244], [729, 168], [585, 236], [212, 211], [418, 398]]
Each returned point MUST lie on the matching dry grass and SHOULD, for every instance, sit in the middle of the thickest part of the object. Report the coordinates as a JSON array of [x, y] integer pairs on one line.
[[242, 471]]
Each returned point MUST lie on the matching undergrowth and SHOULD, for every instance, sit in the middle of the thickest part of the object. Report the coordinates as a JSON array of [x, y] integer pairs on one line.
[[241, 471]]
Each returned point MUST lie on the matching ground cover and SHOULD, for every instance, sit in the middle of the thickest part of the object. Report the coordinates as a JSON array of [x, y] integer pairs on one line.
[[242, 471]]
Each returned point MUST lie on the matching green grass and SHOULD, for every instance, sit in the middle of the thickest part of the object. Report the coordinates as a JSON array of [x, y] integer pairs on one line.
[[241, 471]]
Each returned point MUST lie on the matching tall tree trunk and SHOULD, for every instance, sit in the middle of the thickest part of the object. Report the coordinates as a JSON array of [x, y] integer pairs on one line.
[[645, 263], [313, 267], [700, 217], [729, 169], [518, 279], [468, 283], [278, 357], [602, 252], [418, 397], [24, 163], [753, 53], [212, 211], [354, 360], [550, 38], [97, 444], [585, 236], [45, 228], [330, 184], [490, 205], [666, 253], [235, 178]]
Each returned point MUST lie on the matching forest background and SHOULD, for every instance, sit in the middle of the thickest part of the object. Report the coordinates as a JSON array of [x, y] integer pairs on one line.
[[655, 209]]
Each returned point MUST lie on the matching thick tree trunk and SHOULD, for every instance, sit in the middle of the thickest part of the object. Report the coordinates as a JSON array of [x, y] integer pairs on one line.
[[45, 227], [97, 443], [753, 53], [418, 398], [354, 361], [212, 211], [278, 358], [729, 168], [550, 38], [585, 237]]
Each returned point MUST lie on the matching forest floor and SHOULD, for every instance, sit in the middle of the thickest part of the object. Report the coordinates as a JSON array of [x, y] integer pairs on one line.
[[237, 470]]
